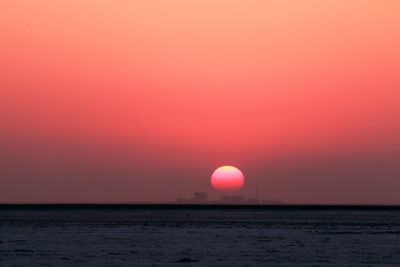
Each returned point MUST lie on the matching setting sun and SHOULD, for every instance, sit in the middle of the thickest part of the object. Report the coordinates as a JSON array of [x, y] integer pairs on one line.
[[227, 179]]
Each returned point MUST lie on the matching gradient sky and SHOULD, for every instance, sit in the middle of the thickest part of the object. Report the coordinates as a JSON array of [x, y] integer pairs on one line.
[[123, 101]]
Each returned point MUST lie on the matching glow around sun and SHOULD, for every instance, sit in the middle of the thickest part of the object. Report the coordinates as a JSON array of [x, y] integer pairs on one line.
[[227, 179]]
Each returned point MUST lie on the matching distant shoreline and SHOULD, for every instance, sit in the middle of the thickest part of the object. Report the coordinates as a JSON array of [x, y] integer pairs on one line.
[[128, 206]]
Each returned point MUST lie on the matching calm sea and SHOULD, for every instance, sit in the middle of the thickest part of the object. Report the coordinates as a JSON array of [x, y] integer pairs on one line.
[[199, 235]]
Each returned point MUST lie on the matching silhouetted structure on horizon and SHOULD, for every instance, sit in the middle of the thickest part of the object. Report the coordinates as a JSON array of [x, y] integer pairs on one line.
[[198, 197], [233, 199], [202, 198]]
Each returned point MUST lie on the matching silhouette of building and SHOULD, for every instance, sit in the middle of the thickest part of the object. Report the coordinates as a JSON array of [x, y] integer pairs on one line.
[[238, 199], [233, 199], [226, 199], [200, 197], [181, 200]]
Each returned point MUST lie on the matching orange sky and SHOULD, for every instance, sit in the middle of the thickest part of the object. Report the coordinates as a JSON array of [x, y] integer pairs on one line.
[[108, 101]]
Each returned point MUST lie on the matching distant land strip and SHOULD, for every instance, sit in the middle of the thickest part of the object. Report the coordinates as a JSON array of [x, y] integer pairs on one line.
[[199, 206]]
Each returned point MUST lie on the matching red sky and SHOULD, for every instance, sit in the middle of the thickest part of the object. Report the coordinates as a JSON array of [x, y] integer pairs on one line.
[[116, 101]]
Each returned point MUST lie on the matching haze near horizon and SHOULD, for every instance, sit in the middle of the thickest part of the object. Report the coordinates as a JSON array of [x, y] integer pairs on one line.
[[140, 101]]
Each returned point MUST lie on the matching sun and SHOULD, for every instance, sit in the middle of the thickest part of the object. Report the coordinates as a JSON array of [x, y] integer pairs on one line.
[[227, 179]]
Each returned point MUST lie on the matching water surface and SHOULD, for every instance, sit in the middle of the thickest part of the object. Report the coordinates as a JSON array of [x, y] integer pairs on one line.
[[192, 235]]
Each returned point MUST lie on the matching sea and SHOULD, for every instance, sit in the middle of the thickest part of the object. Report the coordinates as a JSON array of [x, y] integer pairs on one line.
[[199, 235]]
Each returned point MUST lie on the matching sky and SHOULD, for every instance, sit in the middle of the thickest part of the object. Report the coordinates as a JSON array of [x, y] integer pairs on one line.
[[140, 101]]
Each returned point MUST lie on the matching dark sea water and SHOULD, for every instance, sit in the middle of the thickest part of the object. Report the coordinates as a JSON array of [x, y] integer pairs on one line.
[[173, 235]]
